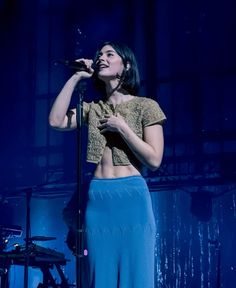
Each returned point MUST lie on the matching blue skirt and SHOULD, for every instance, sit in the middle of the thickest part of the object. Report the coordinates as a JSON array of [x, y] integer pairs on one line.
[[119, 234]]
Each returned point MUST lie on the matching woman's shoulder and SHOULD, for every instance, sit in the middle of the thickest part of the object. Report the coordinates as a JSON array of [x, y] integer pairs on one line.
[[142, 100], [151, 109], [93, 103]]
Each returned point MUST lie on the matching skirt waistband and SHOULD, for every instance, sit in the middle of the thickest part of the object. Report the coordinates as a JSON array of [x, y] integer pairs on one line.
[[118, 178]]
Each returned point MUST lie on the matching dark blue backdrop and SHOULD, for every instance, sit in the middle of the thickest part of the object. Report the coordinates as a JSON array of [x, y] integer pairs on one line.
[[186, 54]]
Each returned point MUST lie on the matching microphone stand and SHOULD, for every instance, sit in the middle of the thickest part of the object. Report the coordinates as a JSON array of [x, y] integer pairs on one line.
[[79, 253], [79, 192]]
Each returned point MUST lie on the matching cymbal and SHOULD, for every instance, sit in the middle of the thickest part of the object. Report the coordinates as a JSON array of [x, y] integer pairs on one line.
[[41, 238]]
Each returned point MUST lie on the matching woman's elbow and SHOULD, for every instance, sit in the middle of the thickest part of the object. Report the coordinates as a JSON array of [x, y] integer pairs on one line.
[[155, 163], [53, 122], [153, 167]]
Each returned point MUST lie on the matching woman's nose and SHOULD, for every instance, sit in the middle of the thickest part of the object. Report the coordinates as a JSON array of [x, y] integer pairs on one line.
[[102, 58]]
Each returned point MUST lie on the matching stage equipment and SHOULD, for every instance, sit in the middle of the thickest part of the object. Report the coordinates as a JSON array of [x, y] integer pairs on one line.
[[7, 232], [40, 257]]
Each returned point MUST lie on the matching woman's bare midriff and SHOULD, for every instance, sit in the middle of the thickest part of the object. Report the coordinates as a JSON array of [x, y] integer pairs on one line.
[[106, 169]]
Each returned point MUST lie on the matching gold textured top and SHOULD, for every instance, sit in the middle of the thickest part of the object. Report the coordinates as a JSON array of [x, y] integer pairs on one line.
[[138, 113]]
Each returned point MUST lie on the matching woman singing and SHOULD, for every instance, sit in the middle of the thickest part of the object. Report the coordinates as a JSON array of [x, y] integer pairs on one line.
[[124, 133]]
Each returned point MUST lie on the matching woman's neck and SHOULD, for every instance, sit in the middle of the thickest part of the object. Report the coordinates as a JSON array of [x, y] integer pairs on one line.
[[116, 94], [118, 97]]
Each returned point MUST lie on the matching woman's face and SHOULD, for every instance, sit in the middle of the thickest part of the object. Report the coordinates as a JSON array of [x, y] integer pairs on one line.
[[109, 64]]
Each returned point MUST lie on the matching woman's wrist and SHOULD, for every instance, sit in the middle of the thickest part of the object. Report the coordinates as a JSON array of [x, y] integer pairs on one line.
[[75, 79]]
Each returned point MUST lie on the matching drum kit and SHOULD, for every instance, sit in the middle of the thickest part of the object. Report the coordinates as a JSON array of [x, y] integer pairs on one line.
[[34, 255], [30, 254]]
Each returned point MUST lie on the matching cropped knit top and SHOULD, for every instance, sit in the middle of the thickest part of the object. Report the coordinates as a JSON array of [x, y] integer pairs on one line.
[[138, 113]]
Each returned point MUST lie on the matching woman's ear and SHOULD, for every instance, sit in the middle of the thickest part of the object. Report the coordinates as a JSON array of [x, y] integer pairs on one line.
[[127, 66]]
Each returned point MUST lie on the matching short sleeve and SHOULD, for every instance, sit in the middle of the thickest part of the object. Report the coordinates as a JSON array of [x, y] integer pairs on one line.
[[86, 108], [152, 113]]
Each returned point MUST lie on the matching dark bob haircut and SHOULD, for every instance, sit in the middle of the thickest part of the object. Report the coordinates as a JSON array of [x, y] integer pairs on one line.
[[130, 80]]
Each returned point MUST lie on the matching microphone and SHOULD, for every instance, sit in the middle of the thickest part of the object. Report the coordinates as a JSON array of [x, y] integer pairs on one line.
[[77, 66]]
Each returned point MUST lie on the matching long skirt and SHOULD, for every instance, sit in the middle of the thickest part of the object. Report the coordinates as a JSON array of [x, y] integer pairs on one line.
[[119, 234]]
